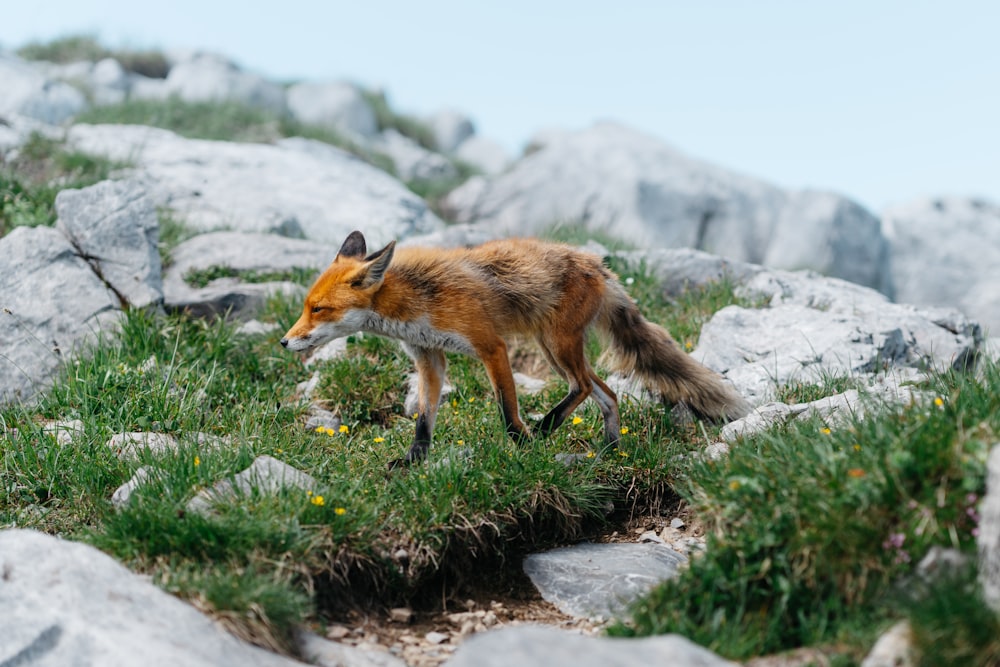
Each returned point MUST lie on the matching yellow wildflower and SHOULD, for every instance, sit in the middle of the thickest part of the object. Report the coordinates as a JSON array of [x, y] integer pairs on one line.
[[344, 429], [379, 439], [938, 401], [317, 500], [624, 430], [329, 431], [825, 431], [591, 455], [577, 420], [735, 484], [197, 461], [339, 511]]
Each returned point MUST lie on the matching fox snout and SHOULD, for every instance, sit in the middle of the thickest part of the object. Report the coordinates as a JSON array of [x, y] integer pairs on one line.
[[284, 342]]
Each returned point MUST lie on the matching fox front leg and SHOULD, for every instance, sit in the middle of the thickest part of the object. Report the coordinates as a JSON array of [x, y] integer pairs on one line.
[[431, 365]]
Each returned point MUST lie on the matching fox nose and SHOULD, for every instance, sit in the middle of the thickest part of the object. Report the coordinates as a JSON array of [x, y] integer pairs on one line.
[[284, 342]]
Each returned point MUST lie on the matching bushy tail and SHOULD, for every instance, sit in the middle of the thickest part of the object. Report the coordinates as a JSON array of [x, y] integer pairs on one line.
[[646, 351]]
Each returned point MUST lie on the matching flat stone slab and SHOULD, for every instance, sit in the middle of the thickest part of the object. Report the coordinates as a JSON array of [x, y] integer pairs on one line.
[[588, 580], [537, 646]]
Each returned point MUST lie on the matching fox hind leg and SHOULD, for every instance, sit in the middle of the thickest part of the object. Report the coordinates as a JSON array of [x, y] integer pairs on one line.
[[567, 357]]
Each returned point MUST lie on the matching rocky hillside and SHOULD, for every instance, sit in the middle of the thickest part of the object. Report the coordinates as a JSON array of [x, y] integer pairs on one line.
[[216, 220]]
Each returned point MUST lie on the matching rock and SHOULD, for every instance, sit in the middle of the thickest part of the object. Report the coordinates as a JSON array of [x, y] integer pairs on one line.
[[28, 92], [887, 392], [401, 615], [242, 252], [123, 494], [335, 105], [131, 445], [208, 77], [449, 128], [678, 269], [946, 252], [325, 653], [319, 191], [51, 304], [254, 328], [818, 327], [988, 540], [64, 431], [321, 418], [535, 646], [485, 155], [600, 580], [412, 161], [229, 298], [335, 349], [265, 475], [64, 603], [615, 180], [113, 225], [893, 649]]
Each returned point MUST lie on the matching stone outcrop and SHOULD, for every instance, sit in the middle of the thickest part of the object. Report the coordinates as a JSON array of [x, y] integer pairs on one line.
[[615, 180], [296, 188]]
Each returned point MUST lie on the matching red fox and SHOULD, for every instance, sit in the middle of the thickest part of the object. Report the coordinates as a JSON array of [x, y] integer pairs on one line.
[[469, 299]]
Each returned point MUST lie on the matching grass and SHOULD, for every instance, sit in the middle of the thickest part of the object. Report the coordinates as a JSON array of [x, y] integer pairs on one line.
[[266, 563], [811, 527], [73, 48], [42, 167], [202, 277]]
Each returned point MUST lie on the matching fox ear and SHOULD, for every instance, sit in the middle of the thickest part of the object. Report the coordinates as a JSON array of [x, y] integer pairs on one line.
[[377, 263], [354, 246]]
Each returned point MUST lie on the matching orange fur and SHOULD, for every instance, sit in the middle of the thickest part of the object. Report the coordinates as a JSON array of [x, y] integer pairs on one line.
[[469, 300]]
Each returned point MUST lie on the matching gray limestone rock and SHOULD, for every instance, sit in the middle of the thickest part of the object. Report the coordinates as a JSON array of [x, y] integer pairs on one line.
[[265, 475], [946, 252], [335, 105], [51, 303], [114, 226], [65, 603], [535, 646], [315, 190], [484, 154], [28, 91], [209, 77], [988, 540], [242, 252], [600, 580], [412, 161], [612, 179], [450, 128]]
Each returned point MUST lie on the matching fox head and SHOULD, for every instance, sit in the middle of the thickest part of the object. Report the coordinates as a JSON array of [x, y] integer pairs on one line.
[[340, 300]]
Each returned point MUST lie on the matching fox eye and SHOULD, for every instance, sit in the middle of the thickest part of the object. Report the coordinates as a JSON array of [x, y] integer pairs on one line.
[[318, 309]]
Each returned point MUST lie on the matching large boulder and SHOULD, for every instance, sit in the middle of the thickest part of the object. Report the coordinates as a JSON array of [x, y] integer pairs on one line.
[[449, 128], [622, 182], [946, 252], [114, 226], [335, 105], [51, 302], [810, 327], [208, 77], [27, 91], [412, 161], [297, 187], [65, 603]]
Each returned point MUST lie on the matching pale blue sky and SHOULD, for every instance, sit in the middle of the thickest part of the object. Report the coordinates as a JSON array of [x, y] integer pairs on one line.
[[882, 101]]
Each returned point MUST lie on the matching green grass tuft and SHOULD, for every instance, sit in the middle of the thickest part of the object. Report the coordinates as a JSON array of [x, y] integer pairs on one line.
[[810, 526]]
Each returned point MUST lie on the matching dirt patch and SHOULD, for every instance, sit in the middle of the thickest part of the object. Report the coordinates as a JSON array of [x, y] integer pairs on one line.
[[428, 638]]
